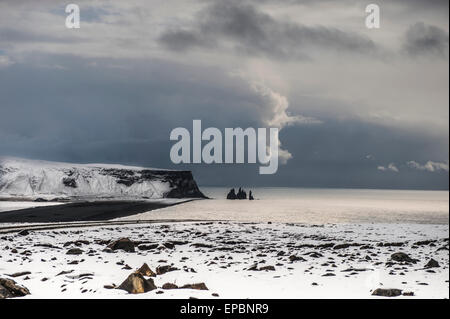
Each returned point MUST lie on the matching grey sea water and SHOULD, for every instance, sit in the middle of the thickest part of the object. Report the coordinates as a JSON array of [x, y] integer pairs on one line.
[[318, 206]]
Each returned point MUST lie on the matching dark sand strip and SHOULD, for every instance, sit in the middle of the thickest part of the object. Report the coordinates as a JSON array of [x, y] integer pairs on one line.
[[81, 211]]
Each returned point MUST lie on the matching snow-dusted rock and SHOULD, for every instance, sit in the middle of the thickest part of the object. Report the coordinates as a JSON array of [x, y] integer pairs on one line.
[[41, 179]]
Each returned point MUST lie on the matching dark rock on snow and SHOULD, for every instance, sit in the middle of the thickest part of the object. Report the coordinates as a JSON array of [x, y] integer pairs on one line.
[[137, 284], [123, 244], [9, 289], [387, 292]]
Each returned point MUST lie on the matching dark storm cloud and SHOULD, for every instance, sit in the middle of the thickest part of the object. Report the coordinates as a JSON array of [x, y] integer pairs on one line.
[[253, 32], [92, 111], [336, 155], [423, 39]]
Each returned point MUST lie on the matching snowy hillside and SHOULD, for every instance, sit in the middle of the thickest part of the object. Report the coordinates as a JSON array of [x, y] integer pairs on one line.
[[30, 178]]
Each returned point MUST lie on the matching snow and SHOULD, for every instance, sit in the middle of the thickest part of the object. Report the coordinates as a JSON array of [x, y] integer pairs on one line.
[[225, 271], [33, 179]]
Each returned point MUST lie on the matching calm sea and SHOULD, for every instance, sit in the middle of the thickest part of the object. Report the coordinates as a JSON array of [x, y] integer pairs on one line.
[[318, 206]]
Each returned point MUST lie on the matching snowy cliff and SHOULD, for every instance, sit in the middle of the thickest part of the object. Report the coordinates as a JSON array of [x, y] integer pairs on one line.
[[32, 179]]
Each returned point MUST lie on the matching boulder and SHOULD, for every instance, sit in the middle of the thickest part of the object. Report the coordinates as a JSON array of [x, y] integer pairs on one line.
[[387, 292], [198, 286], [296, 258], [147, 247], [9, 289], [137, 284], [267, 268], [402, 257], [160, 270], [169, 286], [123, 244], [74, 251], [146, 271], [432, 264]]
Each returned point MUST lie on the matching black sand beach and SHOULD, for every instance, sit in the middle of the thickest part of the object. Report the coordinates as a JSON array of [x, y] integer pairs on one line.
[[80, 211]]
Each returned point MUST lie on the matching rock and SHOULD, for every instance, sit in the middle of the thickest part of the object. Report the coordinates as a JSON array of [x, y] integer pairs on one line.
[[267, 268], [146, 271], [137, 284], [432, 264], [74, 251], [328, 274], [342, 246], [65, 272], [169, 245], [199, 286], [109, 286], [387, 292], [160, 270], [408, 293], [123, 244], [23, 233], [253, 267], [19, 274], [169, 286], [250, 195], [402, 257], [9, 289], [147, 247], [231, 194], [241, 194], [296, 258]]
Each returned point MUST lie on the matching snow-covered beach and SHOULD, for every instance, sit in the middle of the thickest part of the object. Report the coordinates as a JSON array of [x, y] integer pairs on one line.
[[233, 260], [288, 243]]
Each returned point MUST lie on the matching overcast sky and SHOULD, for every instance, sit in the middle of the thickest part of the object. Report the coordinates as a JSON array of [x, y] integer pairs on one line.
[[357, 107]]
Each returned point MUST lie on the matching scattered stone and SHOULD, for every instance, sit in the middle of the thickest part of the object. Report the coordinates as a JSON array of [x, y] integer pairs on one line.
[[432, 264], [267, 268], [387, 292], [23, 233], [160, 270], [109, 286], [146, 271], [147, 247], [296, 258], [169, 286], [20, 274], [402, 257], [408, 293], [124, 244], [199, 286], [137, 284], [74, 251], [9, 289]]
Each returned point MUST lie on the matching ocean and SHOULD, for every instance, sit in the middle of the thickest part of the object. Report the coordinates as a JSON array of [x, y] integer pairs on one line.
[[306, 205]]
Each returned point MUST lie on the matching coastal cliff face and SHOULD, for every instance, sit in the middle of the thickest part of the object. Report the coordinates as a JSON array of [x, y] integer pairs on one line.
[[32, 179]]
